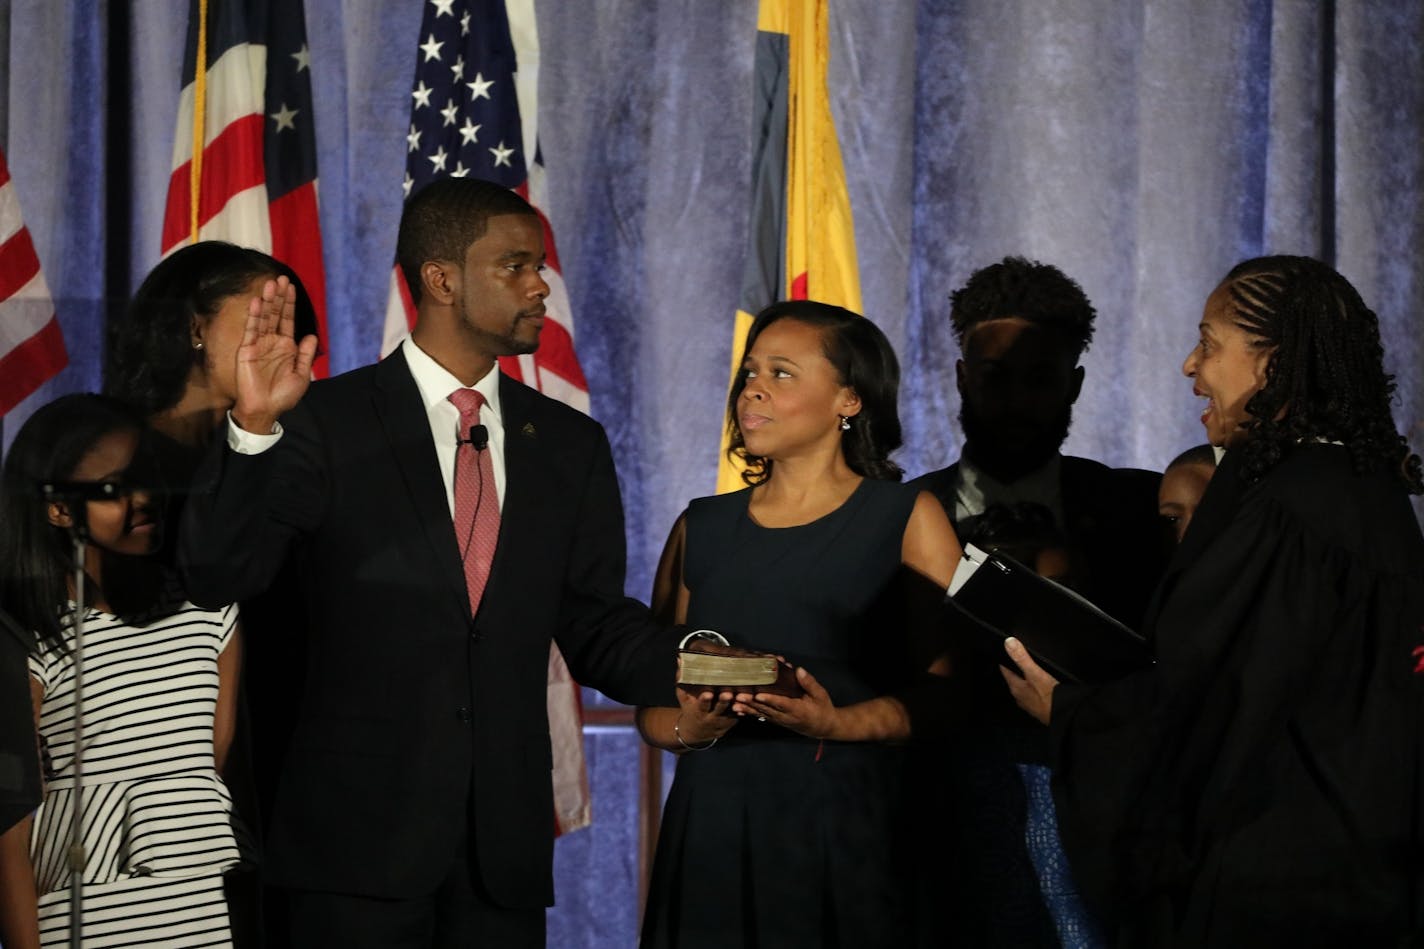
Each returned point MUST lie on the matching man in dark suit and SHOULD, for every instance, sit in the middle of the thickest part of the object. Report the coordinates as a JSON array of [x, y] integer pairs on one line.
[[1022, 326], [415, 806]]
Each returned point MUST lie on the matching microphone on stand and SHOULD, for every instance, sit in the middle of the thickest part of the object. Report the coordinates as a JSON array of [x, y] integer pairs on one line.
[[76, 494], [84, 490]]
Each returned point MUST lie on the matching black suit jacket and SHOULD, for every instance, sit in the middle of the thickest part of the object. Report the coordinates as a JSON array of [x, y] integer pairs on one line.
[[1111, 522], [20, 790], [419, 723]]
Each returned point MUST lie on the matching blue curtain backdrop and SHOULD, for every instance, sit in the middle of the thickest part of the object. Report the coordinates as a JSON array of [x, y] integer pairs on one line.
[[1142, 145]]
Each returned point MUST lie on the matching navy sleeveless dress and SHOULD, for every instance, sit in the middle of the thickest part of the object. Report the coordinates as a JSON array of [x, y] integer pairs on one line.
[[770, 839]]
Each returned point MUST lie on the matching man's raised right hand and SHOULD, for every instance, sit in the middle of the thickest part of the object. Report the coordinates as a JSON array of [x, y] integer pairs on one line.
[[273, 369]]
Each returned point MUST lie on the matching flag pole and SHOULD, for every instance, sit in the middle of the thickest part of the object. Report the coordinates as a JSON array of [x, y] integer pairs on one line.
[[200, 121]]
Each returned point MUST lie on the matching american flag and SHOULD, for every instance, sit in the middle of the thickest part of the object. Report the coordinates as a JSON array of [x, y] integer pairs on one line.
[[247, 116], [31, 346], [474, 111]]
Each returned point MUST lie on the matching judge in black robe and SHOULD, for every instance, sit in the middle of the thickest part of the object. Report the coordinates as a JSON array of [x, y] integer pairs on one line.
[[1261, 784]]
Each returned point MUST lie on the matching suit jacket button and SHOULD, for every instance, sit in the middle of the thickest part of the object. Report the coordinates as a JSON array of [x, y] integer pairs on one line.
[[475, 635], [463, 714]]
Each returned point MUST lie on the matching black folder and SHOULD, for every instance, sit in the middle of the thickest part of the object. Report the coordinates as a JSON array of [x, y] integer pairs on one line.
[[1065, 633]]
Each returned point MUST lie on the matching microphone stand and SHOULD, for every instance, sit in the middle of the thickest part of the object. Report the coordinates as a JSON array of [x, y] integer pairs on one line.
[[77, 856], [75, 497]]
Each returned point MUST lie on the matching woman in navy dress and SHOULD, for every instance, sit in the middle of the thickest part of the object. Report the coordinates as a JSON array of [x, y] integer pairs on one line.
[[784, 825]]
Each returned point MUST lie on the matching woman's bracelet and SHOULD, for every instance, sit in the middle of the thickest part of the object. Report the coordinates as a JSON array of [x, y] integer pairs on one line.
[[677, 732]]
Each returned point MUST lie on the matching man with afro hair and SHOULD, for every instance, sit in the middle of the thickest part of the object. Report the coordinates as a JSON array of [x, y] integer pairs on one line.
[[1022, 327]]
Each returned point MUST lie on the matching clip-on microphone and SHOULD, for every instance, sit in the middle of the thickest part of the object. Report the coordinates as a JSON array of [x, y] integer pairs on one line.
[[479, 438]]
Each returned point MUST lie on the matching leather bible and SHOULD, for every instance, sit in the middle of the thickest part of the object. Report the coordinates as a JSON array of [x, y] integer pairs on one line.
[[707, 665]]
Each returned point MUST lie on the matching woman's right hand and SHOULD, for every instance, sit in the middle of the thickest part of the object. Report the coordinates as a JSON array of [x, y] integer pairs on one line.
[[273, 368], [703, 717]]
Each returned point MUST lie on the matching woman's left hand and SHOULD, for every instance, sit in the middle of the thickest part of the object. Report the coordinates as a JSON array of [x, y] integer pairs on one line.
[[812, 714], [1034, 690]]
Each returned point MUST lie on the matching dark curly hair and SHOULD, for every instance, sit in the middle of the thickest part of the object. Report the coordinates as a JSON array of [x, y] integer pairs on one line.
[[443, 219], [35, 555], [864, 361], [150, 348], [1039, 293], [1325, 377]]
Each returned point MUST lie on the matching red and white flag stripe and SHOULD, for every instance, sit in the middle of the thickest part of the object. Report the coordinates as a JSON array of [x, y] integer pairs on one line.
[[241, 199], [233, 200], [31, 344]]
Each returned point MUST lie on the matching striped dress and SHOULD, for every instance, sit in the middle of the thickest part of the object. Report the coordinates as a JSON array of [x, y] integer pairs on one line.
[[158, 825]]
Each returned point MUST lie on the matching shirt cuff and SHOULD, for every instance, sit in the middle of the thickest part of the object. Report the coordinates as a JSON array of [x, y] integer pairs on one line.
[[245, 443]]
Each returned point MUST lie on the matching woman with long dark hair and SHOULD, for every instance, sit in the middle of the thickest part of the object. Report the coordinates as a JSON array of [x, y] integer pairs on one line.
[[784, 826], [1262, 783], [172, 353], [160, 693]]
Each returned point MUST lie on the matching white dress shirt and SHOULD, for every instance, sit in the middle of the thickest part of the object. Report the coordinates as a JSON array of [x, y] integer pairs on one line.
[[975, 490]]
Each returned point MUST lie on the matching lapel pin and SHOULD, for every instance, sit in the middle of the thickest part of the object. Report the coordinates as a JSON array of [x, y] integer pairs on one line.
[[528, 430]]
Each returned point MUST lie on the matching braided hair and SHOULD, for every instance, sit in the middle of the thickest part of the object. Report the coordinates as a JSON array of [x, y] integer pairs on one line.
[[1325, 377]]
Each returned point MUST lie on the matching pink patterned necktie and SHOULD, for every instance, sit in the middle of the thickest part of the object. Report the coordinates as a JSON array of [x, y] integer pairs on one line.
[[476, 500]]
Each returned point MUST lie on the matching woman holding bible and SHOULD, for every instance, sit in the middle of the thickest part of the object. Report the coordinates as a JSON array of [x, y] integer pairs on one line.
[[1261, 784], [782, 827]]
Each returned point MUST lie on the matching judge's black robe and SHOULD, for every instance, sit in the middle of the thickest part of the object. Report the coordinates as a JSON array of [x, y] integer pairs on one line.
[[1261, 784]]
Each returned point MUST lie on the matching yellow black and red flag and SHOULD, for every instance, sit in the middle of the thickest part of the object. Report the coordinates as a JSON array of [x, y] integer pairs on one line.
[[801, 243]]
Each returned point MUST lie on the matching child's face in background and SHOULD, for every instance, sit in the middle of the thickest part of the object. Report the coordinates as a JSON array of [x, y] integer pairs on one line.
[[1181, 491], [127, 524]]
